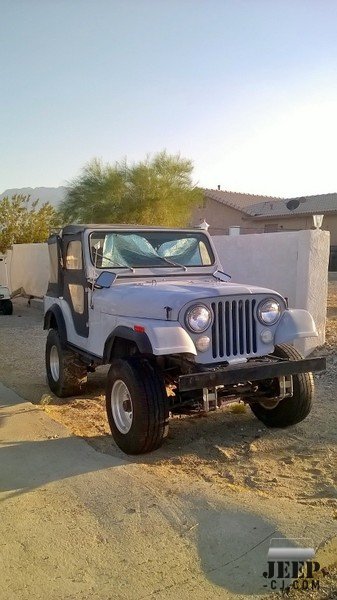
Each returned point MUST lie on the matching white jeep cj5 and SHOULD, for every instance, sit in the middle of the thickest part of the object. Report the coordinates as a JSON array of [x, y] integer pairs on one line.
[[155, 305]]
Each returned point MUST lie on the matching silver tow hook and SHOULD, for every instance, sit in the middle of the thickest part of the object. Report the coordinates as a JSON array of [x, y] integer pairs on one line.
[[210, 398], [286, 387]]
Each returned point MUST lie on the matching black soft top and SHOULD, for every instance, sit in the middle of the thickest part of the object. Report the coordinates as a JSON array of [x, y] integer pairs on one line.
[[76, 229]]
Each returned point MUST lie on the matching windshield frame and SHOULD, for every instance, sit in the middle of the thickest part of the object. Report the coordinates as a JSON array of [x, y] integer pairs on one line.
[[143, 270]]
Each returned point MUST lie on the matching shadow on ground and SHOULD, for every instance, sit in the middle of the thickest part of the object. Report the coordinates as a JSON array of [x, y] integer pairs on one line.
[[233, 545], [26, 465]]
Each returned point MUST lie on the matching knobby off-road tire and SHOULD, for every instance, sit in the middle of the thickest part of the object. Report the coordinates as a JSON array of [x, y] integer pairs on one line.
[[137, 405], [66, 375], [6, 307], [290, 410]]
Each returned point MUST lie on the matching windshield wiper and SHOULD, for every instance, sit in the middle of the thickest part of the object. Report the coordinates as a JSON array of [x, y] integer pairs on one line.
[[174, 264], [116, 264]]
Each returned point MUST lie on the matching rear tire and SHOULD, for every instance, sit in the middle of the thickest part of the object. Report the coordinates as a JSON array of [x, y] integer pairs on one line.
[[290, 410], [137, 405], [66, 375], [6, 307]]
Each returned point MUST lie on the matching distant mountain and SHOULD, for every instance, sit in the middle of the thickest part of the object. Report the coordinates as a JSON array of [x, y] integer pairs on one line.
[[44, 194]]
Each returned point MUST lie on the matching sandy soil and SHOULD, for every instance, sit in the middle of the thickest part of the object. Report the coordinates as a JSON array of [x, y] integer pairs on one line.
[[229, 449]]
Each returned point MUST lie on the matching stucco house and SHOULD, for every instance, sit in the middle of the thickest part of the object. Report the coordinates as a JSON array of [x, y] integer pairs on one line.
[[262, 214]]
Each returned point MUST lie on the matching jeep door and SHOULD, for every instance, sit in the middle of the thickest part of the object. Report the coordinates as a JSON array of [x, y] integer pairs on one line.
[[75, 289]]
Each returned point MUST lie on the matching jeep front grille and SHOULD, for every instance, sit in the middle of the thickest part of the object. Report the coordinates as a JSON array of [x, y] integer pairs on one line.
[[234, 328]]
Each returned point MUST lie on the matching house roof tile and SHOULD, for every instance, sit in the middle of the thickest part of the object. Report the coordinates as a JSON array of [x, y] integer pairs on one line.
[[303, 205], [259, 207], [236, 199]]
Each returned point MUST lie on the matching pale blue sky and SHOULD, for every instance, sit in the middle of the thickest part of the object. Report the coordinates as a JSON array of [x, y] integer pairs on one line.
[[245, 88]]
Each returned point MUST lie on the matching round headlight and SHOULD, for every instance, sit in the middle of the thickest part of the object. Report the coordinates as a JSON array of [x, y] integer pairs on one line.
[[198, 318], [269, 311]]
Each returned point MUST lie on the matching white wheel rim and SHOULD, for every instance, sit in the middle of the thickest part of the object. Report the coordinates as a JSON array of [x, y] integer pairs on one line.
[[270, 405], [121, 406], [54, 363]]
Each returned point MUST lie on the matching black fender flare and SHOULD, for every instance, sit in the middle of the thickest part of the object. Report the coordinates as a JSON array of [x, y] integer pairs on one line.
[[141, 340], [54, 313]]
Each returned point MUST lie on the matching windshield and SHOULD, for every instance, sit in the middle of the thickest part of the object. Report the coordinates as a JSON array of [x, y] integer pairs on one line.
[[147, 249]]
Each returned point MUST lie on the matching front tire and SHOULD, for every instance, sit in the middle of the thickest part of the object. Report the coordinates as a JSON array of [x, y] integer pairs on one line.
[[137, 405], [66, 375], [288, 411]]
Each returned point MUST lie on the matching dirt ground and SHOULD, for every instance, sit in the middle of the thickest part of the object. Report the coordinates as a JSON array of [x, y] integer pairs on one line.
[[230, 449]]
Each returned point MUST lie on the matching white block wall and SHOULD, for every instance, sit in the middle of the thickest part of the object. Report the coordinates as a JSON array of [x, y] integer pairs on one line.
[[294, 263]]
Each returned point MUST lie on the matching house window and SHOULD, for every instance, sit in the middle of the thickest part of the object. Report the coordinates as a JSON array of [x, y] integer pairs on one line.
[[271, 228], [74, 255], [333, 258]]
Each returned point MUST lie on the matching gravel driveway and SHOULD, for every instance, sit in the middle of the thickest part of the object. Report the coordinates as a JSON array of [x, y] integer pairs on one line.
[[231, 451]]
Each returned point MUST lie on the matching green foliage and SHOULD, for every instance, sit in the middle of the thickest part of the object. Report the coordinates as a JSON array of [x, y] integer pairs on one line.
[[157, 191], [23, 221]]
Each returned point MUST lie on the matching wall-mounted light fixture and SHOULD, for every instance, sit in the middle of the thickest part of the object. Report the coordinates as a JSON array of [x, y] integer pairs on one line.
[[318, 220], [204, 225]]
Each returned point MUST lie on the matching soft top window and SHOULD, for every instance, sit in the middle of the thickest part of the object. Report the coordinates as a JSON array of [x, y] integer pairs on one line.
[[74, 255], [148, 249], [53, 262]]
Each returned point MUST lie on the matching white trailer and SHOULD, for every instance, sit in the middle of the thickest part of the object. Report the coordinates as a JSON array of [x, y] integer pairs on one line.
[[24, 271], [6, 305]]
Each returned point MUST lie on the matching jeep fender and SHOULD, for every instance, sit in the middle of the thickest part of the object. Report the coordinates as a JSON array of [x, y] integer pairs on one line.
[[126, 333], [54, 319], [158, 338], [295, 323], [168, 337]]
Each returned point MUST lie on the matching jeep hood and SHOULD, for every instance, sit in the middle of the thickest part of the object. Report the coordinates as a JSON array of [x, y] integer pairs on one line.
[[150, 299]]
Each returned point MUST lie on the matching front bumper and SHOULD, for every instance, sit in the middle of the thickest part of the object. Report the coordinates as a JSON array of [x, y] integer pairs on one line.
[[254, 370]]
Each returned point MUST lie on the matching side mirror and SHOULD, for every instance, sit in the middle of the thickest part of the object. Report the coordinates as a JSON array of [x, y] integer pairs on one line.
[[222, 276], [105, 280]]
